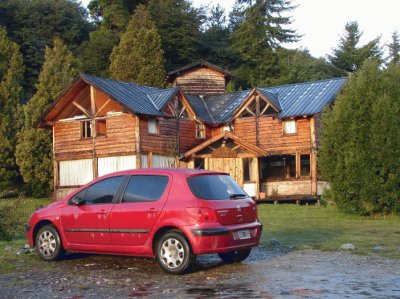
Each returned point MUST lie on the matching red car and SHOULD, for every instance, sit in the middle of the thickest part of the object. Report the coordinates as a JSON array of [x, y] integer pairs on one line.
[[172, 214]]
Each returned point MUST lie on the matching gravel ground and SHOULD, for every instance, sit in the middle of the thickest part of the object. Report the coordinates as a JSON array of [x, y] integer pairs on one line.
[[265, 274]]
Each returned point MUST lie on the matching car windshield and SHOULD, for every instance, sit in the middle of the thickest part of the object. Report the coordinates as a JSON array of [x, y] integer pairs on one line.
[[215, 187]]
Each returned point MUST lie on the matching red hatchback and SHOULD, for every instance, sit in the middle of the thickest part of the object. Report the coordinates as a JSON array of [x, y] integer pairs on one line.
[[172, 214]]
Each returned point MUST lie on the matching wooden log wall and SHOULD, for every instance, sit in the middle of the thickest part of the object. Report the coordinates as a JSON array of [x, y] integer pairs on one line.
[[187, 134], [162, 143], [271, 137], [120, 139], [204, 81]]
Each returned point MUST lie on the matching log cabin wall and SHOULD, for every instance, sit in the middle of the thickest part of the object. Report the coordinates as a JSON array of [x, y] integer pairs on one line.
[[187, 134], [203, 81], [119, 140], [162, 143]]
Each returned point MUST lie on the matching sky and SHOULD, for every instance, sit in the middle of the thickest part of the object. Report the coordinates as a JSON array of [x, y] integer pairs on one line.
[[322, 22]]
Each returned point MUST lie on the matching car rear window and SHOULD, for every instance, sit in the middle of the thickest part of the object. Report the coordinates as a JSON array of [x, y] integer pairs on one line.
[[145, 188], [215, 187]]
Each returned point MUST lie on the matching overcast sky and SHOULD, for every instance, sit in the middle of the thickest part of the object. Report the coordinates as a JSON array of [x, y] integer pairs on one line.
[[321, 22]]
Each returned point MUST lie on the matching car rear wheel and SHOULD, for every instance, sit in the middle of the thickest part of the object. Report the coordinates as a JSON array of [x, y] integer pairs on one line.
[[48, 243], [235, 256], [174, 254]]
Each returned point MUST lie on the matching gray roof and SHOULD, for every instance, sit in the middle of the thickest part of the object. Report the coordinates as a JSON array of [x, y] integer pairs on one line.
[[137, 98], [288, 100], [306, 98]]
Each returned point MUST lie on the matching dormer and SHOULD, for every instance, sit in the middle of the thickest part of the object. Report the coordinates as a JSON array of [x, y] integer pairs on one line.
[[200, 78]]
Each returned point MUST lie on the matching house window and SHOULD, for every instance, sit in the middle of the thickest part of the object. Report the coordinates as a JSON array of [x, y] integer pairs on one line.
[[86, 129], [227, 128], [278, 167], [101, 127], [289, 126], [153, 126], [200, 131], [304, 165], [248, 170]]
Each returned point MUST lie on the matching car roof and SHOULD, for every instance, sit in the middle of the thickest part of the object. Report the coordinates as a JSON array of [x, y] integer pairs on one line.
[[172, 171]]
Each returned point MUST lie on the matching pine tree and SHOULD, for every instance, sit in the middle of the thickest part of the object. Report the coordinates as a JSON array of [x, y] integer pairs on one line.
[[348, 55], [139, 58], [179, 25], [33, 153], [257, 37], [11, 75], [360, 141], [394, 49]]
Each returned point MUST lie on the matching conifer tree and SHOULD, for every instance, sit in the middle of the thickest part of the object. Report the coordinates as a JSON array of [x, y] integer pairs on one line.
[[34, 149], [258, 35], [139, 58], [348, 55], [11, 75], [179, 25], [360, 142], [394, 49]]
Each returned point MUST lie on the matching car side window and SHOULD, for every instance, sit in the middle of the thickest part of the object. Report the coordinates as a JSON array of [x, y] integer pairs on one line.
[[80, 195], [103, 192], [144, 188]]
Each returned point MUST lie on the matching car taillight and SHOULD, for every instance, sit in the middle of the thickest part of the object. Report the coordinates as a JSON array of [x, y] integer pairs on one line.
[[202, 214]]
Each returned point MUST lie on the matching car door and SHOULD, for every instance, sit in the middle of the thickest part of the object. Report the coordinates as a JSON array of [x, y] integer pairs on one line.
[[141, 204], [88, 221]]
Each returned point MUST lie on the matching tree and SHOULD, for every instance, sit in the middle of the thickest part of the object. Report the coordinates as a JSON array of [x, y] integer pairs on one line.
[[216, 40], [348, 55], [33, 24], [179, 25], [34, 150], [394, 49], [11, 76], [360, 142], [299, 66], [138, 57], [257, 37], [96, 52]]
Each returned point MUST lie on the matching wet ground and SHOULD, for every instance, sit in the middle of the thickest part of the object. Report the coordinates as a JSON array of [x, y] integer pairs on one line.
[[265, 274]]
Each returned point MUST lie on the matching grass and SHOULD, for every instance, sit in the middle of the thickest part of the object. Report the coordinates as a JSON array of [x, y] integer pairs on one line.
[[325, 228], [299, 227]]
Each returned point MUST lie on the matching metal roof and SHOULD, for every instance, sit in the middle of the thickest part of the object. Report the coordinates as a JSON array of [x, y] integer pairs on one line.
[[306, 98], [139, 99], [170, 77], [288, 100]]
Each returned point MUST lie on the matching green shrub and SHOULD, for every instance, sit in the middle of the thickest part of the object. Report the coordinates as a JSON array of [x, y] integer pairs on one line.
[[8, 219]]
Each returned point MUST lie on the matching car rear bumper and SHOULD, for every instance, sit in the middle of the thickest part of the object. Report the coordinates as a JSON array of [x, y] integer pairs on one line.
[[224, 239]]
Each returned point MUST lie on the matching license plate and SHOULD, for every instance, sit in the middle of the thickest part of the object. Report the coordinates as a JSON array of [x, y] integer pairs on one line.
[[244, 234]]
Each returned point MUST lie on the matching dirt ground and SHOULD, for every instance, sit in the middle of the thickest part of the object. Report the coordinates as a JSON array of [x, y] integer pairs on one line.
[[265, 274]]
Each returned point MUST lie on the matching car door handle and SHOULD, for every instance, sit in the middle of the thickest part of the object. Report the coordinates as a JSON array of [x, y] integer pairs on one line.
[[152, 210], [102, 212]]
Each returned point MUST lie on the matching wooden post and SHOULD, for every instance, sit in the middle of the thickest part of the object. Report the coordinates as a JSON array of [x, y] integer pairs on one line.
[[55, 166], [137, 143], [150, 160], [93, 129], [297, 165], [256, 175], [258, 120], [313, 157]]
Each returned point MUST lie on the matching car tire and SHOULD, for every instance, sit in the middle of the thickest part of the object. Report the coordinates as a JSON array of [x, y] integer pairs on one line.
[[174, 254], [48, 243], [235, 256]]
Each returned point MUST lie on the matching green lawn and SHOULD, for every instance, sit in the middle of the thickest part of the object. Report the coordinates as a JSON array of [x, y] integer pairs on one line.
[[325, 228], [299, 227]]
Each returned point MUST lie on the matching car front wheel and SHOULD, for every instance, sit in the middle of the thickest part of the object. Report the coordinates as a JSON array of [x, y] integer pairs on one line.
[[174, 254], [235, 256], [48, 243]]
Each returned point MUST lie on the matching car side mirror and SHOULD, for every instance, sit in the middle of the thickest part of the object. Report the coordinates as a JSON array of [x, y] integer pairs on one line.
[[77, 201]]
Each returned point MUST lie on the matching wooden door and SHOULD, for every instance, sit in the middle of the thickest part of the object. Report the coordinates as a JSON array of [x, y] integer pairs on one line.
[[233, 166]]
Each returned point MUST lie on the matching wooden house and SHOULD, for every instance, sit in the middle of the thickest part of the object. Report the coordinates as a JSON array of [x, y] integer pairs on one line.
[[266, 138]]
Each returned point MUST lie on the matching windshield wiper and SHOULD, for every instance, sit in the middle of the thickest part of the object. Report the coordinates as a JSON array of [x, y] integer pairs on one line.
[[237, 195]]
